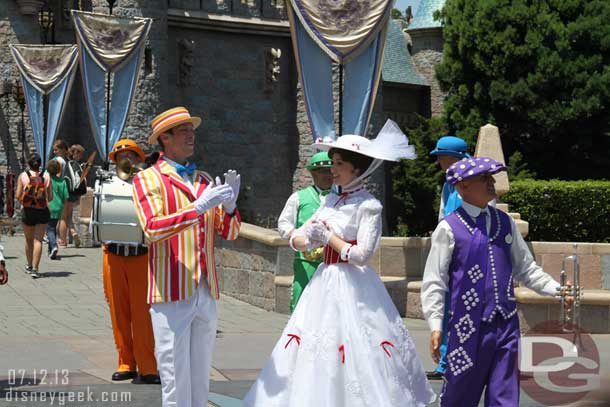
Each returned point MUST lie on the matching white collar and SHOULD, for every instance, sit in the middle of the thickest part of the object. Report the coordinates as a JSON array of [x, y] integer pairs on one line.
[[172, 162], [473, 210]]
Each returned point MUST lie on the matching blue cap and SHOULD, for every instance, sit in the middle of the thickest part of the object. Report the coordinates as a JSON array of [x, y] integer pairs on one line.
[[451, 145]]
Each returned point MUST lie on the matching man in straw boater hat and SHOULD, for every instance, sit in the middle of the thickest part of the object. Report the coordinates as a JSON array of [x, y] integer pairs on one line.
[[125, 276], [298, 209], [180, 209], [477, 253]]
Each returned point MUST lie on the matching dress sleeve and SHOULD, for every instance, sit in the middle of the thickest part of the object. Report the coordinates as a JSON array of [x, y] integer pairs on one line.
[[369, 233]]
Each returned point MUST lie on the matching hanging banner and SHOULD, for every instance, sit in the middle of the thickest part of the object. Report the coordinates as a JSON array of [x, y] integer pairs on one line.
[[111, 53], [47, 72], [351, 33]]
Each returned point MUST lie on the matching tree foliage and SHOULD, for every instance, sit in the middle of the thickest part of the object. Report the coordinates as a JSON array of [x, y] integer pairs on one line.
[[416, 183], [537, 69]]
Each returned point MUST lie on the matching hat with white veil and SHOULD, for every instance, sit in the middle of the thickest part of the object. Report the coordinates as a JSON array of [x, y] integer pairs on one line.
[[391, 144]]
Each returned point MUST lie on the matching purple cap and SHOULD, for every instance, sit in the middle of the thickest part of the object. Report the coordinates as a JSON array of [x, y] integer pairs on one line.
[[469, 167]]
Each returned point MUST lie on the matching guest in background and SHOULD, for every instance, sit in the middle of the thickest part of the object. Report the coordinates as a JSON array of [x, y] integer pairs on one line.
[[34, 191], [60, 152], [76, 153], [56, 205]]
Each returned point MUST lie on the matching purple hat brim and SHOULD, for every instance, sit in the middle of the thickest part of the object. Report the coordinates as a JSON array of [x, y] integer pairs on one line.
[[455, 181]]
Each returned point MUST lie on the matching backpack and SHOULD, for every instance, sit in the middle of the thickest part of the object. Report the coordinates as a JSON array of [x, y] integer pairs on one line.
[[73, 174], [34, 194]]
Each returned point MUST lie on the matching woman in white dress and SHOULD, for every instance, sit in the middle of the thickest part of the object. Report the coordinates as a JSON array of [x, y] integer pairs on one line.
[[345, 344]]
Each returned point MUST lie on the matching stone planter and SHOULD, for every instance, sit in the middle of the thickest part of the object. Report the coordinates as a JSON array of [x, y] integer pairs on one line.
[[29, 7]]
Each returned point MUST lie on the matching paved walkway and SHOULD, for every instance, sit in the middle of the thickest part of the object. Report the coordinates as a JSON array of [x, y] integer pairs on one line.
[[56, 341]]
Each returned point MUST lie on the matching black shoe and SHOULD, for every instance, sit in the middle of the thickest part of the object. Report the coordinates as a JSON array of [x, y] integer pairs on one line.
[[150, 379], [119, 376], [434, 375]]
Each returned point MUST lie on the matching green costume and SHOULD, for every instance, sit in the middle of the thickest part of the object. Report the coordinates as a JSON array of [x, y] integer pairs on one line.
[[309, 202], [305, 264]]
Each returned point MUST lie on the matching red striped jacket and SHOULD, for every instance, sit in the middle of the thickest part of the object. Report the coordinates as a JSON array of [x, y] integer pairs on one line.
[[181, 242]]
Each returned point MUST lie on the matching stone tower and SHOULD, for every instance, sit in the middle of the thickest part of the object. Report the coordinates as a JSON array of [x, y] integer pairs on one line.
[[427, 48]]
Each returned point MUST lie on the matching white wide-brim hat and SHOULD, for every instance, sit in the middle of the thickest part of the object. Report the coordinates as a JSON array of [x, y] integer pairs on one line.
[[391, 144]]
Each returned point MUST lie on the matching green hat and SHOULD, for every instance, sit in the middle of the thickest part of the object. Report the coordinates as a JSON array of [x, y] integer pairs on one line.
[[319, 160]]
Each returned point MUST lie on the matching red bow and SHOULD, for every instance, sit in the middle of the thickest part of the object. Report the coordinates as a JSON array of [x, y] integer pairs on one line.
[[293, 336], [342, 351], [382, 344]]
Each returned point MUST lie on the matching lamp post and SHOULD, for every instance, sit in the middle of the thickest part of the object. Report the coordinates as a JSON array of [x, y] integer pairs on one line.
[[47, 24], [19, 97]]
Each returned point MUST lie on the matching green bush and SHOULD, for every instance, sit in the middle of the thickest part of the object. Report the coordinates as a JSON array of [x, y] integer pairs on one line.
[[564, 211]]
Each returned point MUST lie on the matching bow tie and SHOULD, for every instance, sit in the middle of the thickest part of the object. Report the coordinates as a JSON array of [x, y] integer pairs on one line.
[[185, 169]]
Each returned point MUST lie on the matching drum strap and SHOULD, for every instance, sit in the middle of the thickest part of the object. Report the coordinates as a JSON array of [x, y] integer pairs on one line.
[[126, 250]]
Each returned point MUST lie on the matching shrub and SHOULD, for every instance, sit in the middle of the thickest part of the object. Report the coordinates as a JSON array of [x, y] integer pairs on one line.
[[564, 211]]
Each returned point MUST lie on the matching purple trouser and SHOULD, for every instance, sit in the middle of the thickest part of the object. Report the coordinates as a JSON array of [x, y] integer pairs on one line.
[[496, 367]]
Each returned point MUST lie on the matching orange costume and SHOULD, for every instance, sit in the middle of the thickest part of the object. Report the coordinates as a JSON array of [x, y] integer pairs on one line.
[[125, 277]]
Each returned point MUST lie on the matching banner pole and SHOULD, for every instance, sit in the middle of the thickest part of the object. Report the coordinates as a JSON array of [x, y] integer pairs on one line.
[[340, 100], [106, 162], [45, 112]]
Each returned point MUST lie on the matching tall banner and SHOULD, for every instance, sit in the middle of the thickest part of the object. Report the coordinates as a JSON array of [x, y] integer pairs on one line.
[[47, 73], [351, 34], [111, 52]]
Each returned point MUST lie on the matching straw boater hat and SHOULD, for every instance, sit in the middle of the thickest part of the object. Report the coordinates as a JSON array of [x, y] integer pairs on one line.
[[170, 119]]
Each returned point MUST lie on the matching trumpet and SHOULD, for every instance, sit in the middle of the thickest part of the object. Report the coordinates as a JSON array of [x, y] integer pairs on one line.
[[570, 319], [125, 169]]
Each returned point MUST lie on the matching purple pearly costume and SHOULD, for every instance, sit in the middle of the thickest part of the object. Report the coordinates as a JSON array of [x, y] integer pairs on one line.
[[484, 331], [475, 255]]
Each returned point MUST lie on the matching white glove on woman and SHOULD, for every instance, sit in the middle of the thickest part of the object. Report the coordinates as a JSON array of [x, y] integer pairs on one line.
[[233, 179], [213, 195], [319, 232]]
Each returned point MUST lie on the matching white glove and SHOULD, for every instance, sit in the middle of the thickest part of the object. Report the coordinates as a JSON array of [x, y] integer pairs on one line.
[[213, 195], [233, 179], [319, 232]]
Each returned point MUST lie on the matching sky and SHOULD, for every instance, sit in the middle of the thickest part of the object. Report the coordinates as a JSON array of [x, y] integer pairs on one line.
[[403, 4]]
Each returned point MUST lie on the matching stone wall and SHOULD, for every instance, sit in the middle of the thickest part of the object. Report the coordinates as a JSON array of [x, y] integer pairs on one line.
[[257, 268], [248, 266], [427, 52], [248, 123]]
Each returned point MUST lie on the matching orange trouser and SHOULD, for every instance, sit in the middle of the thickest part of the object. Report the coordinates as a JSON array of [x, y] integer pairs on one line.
[[125, 286]]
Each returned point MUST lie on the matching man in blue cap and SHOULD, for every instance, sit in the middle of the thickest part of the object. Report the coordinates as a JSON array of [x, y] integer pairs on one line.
[[298, 209], [449, 150]]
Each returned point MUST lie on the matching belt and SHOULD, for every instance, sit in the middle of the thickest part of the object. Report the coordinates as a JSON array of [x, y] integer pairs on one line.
[[331, 256], [126, 250]]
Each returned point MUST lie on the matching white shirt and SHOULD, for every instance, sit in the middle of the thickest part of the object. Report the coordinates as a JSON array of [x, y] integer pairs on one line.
[[436, 273], [287, 221], [1, 253]]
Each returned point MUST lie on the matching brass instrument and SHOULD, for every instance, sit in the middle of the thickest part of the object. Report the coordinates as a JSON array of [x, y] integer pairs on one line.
[[314, 254], [570, 319], [125, 170]]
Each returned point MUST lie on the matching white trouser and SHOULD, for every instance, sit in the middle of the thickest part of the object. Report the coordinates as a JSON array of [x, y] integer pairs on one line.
[[185, 332]]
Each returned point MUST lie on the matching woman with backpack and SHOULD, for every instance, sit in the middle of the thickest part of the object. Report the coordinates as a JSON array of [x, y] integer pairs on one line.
[[34, 191]]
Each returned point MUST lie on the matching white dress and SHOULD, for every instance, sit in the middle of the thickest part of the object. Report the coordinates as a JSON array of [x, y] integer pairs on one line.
[[345, 344]]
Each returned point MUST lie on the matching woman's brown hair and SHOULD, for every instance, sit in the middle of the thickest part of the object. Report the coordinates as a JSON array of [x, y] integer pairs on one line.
[[359, 161]]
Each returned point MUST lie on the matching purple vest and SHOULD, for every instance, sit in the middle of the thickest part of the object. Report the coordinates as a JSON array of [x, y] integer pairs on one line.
[[480, 283]]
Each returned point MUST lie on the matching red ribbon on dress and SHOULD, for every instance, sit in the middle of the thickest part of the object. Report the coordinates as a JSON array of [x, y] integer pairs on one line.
[[382, 344], [342, 351], [293, 336]]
